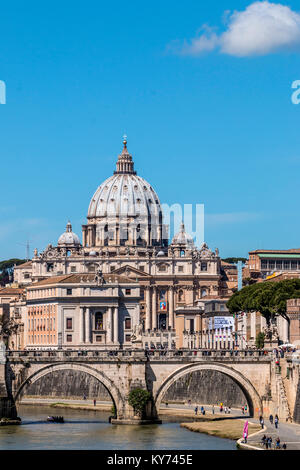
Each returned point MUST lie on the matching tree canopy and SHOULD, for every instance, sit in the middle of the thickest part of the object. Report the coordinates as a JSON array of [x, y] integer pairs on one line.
[[138, 399], [269, 298], [7, 267]]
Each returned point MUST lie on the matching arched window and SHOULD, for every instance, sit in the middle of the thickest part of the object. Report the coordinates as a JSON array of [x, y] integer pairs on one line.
[[182, 253], [203, 292]]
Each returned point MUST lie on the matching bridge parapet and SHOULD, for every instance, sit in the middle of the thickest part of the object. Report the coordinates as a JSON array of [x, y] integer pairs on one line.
[[140, 355]]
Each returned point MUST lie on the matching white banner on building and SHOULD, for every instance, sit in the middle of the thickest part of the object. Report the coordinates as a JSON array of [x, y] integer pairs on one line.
[[221, 322]]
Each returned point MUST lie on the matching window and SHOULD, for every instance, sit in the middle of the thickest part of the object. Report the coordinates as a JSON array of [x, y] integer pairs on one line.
[[271, 264], [286, 264], [127, 291], [162, 294], [180, 296], [278, 264], [91, 268], [99, 339], [142, 268], [69, 291], [69, 338], [203, 266], [264, 264], [213, 306], [162, 268], [127, 338], [26, 276], [294, 265], [50, 267], [99, 321], [203, 292], [142, 294], [112, 268], [69, 323], [73, 269], [180, 269], [127, 323], [182, 253], [191, 326]]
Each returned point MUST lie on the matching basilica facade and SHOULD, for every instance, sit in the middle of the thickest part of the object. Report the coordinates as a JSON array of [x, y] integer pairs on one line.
[[123, 283]]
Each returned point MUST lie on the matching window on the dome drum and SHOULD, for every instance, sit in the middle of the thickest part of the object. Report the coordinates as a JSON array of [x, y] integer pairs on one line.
[[203, 266]]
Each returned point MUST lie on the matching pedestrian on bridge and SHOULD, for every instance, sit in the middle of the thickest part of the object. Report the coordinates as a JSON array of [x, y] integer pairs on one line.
[[271, 419], [196, 410], [276, 421]]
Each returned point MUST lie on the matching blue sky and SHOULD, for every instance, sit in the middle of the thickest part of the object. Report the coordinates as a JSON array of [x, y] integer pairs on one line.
[[209, 127]]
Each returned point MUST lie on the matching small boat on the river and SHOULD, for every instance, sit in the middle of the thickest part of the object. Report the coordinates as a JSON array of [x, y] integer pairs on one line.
[[56, 419]]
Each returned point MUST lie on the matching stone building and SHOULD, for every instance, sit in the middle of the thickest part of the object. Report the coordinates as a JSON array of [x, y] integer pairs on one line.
[[11, 303], [77, 311], [293, 313], [262, 263], [125, 236]]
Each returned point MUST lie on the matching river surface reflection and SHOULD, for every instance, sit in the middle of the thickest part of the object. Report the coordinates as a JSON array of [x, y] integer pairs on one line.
[[90, 430]]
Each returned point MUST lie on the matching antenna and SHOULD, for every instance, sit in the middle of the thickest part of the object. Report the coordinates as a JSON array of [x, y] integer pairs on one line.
[[27, 245]]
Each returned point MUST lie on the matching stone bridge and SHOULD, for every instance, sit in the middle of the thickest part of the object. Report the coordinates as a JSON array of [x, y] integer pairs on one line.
[[121, 371]]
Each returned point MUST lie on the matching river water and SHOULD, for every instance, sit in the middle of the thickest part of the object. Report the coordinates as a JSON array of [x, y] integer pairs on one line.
[[90, 430]]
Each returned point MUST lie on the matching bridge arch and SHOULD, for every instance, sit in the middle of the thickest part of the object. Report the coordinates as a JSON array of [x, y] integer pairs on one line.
[[253, 398], [116, 396]]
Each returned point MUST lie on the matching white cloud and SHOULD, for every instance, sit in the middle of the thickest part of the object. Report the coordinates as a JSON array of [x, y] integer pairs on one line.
[[261, 29], [204, 43]]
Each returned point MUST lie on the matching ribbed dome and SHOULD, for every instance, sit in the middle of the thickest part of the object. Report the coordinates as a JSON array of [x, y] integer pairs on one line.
[[124, 193], [182, 237], [68, 237]]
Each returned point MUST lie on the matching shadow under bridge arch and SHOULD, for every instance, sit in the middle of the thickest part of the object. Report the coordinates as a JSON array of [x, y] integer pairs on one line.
[[115, 394], [252, 396]]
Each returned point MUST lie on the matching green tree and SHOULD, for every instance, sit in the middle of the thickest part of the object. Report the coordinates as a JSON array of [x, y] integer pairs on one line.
[[269, 298], [260, 340], [7, 269], [138, 399]]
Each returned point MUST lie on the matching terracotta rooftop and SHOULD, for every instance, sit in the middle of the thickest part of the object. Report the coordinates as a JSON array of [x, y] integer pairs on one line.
[[10, 290], [228, 265], [24, 265]]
